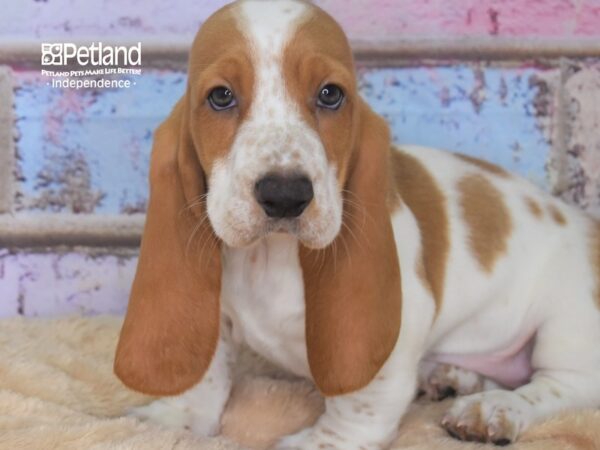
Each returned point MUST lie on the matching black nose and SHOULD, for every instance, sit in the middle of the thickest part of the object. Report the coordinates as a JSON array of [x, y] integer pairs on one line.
[[283, 196]]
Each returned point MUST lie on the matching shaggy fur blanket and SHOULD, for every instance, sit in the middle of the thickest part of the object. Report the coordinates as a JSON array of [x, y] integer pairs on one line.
[[57, 391]]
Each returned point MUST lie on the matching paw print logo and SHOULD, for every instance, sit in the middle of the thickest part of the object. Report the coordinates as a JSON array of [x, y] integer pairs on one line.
[[52, 54]]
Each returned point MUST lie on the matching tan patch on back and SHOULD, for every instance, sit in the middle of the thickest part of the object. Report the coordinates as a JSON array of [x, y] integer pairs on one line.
[[557, 215], [419, 191], [482, 164], [534, 207], [487, 218]]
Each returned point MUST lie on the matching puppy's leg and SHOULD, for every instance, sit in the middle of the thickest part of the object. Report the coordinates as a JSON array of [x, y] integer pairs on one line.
[[366, 419], [567, 364], [199, 409], [438, 381]]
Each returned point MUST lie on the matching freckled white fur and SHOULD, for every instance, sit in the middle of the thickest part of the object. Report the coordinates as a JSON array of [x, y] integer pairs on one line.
[[274, 138], [543, 284], [263, 297], [189, 410], [435, 378]]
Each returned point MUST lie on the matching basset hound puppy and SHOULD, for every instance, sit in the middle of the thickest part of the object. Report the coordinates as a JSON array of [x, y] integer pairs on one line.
[[281, 217]]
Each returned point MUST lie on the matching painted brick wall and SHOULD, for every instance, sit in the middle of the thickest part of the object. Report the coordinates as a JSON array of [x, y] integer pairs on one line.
[[365, 19], [73, 164]]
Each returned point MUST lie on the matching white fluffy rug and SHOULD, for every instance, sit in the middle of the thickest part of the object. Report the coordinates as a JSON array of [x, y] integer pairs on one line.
[[57, 391]]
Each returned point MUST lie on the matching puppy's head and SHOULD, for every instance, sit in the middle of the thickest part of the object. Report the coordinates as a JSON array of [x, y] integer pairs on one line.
[[270, 136], [273, 109]]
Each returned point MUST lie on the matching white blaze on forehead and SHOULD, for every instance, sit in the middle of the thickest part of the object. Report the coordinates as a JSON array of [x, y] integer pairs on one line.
[[273, 138], [270, 23]]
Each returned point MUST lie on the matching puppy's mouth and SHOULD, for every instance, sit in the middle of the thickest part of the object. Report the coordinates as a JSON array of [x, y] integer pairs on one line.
[[275, 204], [301, 228], [290, 226], [309, 229]]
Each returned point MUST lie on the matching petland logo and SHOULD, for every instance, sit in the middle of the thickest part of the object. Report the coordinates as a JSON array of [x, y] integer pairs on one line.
[[95, 60], [96, 54]]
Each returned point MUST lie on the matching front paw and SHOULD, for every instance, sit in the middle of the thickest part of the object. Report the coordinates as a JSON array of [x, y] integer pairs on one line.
[[174, 414], [449, 381], [494, 416], [323, 438]]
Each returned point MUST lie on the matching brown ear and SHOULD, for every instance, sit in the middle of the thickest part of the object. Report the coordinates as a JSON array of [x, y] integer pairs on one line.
[[172, 324], [352, 291]]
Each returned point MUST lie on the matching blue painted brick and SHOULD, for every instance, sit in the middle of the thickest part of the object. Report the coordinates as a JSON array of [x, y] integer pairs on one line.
[[491, 113], [87, 151]]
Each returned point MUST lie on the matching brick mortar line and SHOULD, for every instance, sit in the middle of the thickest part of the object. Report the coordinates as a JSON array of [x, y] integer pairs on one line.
[[49, 230], [158, 53], [7, 151]]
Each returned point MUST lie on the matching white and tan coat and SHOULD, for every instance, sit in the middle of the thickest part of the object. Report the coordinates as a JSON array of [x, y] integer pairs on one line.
[[407, 260]]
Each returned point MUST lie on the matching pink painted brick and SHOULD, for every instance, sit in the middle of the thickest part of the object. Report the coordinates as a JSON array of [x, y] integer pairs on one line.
[[589, 19], [389, 19], [376, 19], [110, 18], [50, 284]]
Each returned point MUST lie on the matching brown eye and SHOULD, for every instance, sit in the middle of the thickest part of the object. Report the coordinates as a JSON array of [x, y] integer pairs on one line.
[[330, 97], [221, 98]]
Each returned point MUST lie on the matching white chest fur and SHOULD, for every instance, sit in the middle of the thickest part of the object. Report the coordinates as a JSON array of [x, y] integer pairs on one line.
[[263, 296]]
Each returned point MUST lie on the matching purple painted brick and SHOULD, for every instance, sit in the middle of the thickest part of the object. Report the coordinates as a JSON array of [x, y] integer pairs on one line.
[[10, 274], [50, 284]]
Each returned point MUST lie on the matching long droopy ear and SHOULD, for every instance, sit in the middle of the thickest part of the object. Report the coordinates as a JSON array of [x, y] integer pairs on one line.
[[172, 324], [352, 288]]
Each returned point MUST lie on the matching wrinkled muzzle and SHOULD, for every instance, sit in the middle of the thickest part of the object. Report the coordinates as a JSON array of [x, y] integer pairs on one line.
[[277, 178]]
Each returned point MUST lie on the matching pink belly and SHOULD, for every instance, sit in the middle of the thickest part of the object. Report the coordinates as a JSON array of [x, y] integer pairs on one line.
[[510, 367]]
